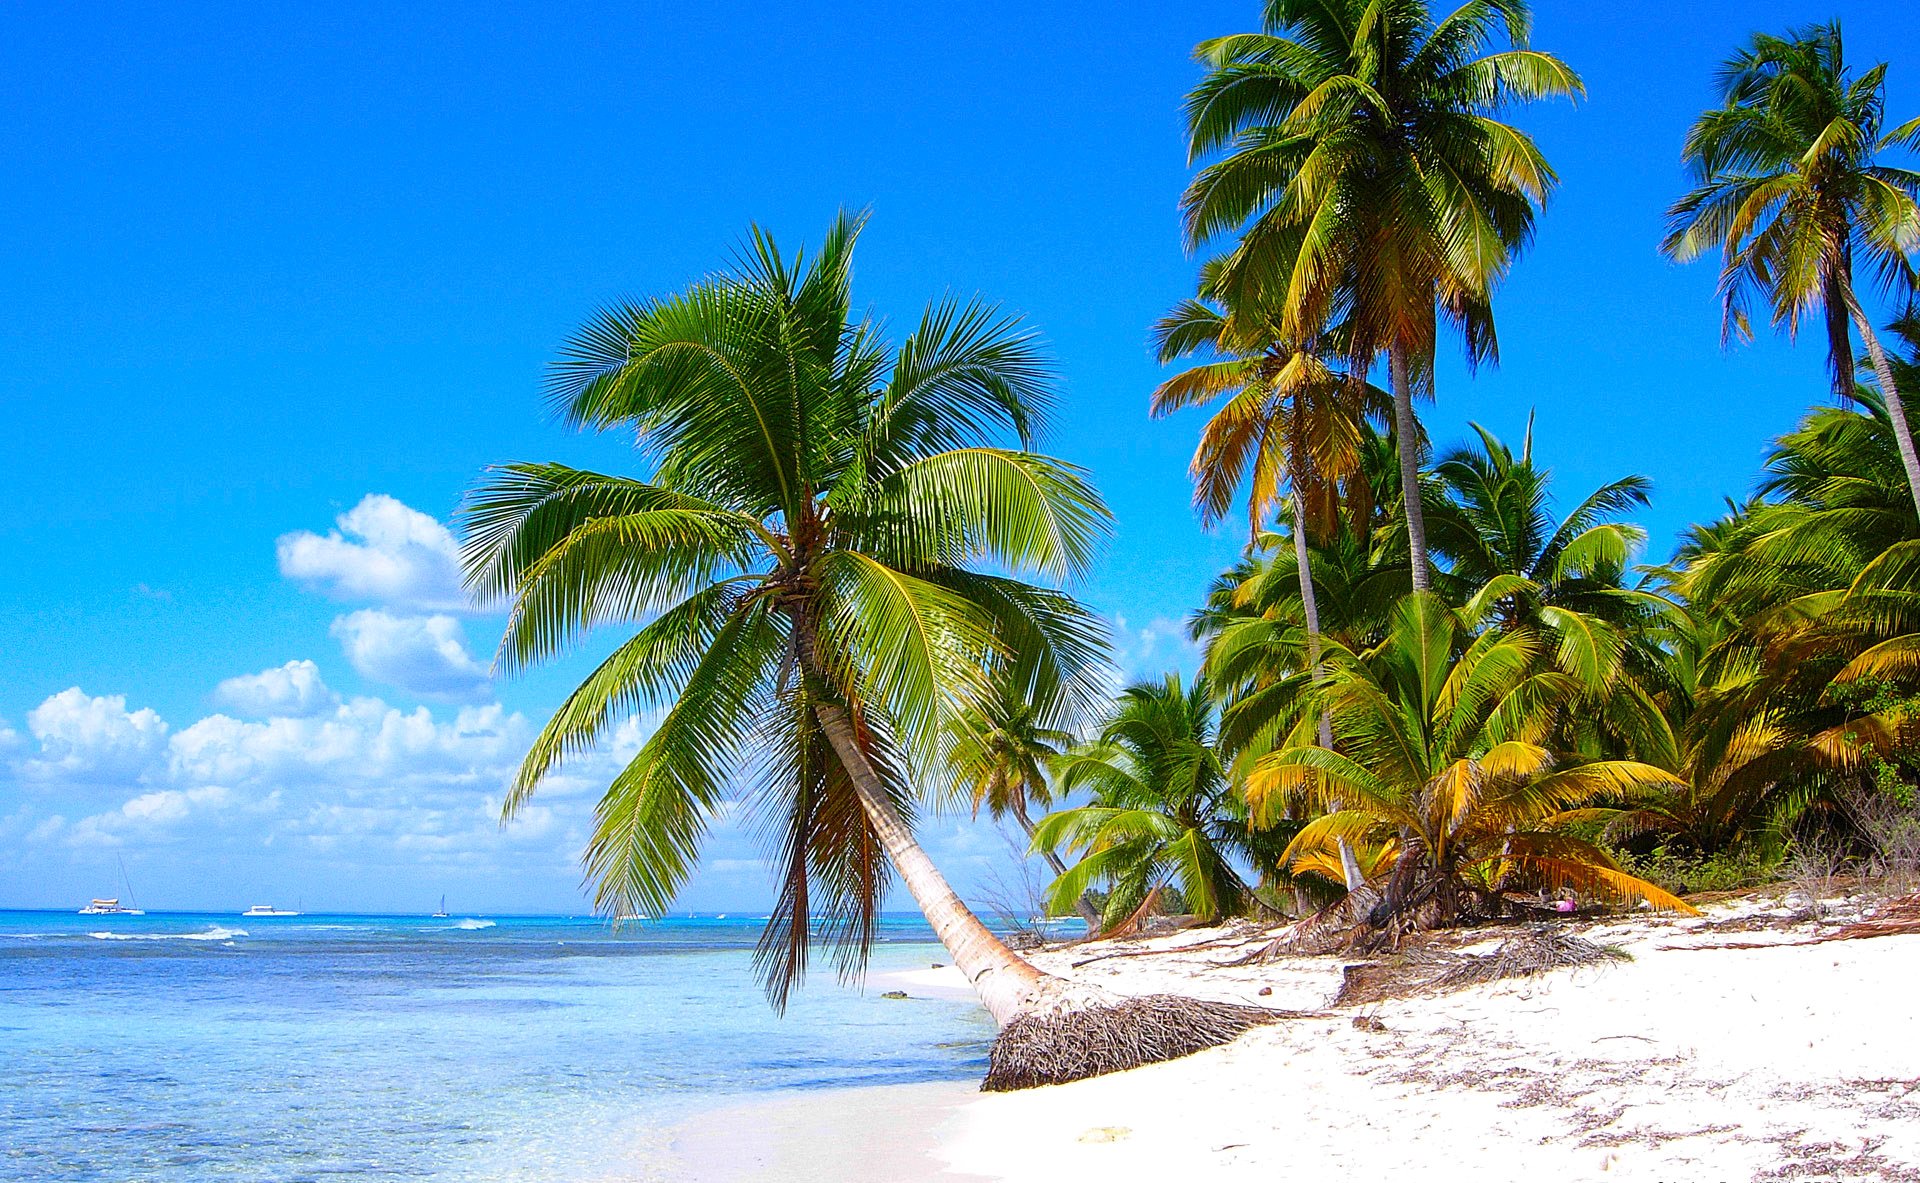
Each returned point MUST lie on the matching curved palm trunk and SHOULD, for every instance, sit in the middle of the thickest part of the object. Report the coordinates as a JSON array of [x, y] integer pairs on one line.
[[1896, 410], [1003, 980], [1407, 428], [1082, 906]]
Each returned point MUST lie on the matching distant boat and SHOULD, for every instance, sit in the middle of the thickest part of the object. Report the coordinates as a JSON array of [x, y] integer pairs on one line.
[[259, 910], [114, 907], [442, 913]]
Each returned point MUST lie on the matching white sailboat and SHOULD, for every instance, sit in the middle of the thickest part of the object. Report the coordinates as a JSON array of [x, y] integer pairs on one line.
[[113, 906], [442, 913]]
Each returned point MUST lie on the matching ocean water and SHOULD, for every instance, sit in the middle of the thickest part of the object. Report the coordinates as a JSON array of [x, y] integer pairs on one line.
[[177, 1047]]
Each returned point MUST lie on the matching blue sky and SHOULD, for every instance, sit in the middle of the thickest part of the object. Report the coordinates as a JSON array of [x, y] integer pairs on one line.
[[279, 282]]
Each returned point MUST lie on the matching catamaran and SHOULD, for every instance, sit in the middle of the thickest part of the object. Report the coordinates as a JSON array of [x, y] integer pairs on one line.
[[259, 910], [113, 907], [442, 913]]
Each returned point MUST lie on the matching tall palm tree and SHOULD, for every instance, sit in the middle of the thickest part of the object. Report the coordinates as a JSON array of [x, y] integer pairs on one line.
[[1163, 809], [1371, 180], [1791, 191], [1443, 775], [1291, 419], [807, 557]]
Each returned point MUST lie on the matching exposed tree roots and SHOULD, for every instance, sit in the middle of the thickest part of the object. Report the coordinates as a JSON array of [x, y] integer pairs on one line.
[[1077, 1036], [1431, 971]]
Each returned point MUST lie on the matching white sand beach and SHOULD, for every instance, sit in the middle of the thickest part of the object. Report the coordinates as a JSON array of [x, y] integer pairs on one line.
[[1695, 1060]]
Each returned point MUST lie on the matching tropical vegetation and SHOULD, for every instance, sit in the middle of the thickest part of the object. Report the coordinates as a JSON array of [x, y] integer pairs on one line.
[[1432, 690]]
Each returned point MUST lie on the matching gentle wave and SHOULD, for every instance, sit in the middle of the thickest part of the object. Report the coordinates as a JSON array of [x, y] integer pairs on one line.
[[216, 933], [471, 925]]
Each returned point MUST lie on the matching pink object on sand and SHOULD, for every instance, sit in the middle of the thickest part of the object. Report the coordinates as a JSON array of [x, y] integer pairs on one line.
[[1566, 906]]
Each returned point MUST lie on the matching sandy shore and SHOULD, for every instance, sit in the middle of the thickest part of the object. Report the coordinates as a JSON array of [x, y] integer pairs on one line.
[[1695, 1060]]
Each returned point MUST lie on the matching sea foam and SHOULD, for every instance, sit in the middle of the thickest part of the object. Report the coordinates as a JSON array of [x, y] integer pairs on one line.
[[470, 924], [215, 933]]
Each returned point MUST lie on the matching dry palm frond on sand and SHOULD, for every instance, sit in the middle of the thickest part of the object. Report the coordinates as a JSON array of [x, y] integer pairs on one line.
[[1419, 972], [1073, 1044]]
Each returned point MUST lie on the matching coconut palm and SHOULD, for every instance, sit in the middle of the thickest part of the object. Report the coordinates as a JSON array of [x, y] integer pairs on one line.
[[810, 555], [1512, 562], [1792, 193], [1290, 419], [1164, 810], [1371, 180], [1442, 779]]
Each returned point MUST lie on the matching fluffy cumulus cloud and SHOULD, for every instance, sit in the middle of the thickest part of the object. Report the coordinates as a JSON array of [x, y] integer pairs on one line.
[[423, 655], [83, 737], [381, 551], [292, 689], [355, 780]]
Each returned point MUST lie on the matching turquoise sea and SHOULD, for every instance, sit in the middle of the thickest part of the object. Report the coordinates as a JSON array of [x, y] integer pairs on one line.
[[184, 1046]]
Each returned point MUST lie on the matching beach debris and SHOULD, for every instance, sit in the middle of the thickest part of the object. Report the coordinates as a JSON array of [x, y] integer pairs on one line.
[[1368, 1023], [1106, 1133], [1427, 971], [1081, 1033], [895, 994]]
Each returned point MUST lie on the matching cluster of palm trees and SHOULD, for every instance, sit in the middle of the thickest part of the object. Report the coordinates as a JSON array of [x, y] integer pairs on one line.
[[1423, 691], [1451, 699]]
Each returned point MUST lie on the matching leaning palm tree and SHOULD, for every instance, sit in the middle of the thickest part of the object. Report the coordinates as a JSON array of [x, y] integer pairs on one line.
[[1372, 181], [1443, 780], [1790, 190], [811, 556]]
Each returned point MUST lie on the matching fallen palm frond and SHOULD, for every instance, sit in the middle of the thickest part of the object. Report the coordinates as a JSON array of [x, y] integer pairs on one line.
[[1898, 918], [1419, 972], [1073, 1041]]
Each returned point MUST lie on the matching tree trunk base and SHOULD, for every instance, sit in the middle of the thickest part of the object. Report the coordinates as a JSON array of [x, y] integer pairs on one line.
[[1072, 1033]]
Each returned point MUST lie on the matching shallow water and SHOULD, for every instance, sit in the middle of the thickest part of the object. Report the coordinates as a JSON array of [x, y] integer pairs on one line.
[[176, 1047]]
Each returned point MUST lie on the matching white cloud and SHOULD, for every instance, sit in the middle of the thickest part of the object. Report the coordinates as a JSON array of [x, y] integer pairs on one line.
[[84, 737], [384, 551], [423, 655], [292, 689]]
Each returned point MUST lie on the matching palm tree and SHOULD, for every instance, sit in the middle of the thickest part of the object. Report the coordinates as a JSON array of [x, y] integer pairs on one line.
[[1163, 809], [1511, 561], [1791, 192], [807, 555], [1442, 775], [998, 757], [1292, 419], [1371, 180]]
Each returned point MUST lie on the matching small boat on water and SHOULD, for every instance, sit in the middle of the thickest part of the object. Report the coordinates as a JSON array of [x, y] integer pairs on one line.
[[442, 913], [113, 907], [259, 910]]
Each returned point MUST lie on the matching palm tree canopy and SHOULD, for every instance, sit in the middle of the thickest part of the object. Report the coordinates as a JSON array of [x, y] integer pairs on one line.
[[1789, 187], [820, 500], [1163, 808], [1361, 156], [1442, 758]]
